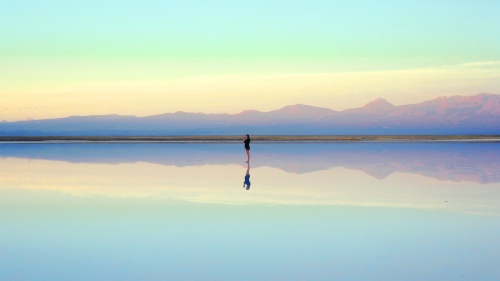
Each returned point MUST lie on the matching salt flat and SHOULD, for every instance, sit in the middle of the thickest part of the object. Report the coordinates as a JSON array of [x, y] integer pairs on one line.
[[317, 210]]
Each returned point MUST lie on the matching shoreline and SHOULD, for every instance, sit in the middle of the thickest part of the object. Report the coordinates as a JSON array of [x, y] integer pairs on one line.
[[257, 138]]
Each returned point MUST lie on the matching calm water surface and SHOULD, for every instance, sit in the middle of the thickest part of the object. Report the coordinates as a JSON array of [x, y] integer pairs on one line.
[[324, 211]]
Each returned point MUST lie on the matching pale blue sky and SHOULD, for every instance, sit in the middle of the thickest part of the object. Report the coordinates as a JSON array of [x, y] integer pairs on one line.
[[437, 31], [52, 52]]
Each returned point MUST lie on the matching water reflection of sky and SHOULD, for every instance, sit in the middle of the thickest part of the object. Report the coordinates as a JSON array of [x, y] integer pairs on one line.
[[467, 161], [458, 176], [344, 211]]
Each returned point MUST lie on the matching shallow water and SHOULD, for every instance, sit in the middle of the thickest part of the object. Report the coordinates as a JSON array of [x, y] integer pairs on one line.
[[317, 211]]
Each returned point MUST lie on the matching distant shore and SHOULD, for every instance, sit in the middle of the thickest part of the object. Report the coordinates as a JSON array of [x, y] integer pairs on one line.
[[256, 138]]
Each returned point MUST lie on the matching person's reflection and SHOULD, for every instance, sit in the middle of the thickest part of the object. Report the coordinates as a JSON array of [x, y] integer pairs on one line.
[[246, 183]]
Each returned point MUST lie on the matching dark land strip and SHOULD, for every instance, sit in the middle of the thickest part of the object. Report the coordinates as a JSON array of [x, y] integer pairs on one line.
[[256, 138]]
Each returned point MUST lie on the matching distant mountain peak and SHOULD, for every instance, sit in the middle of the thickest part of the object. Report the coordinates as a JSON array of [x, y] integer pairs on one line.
[[298, 108], [378, 106], [300, 105], [302, 111], [379, 103], [249, 112]]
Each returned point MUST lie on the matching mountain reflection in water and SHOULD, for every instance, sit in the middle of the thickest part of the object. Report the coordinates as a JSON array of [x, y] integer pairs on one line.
[[468, 161]]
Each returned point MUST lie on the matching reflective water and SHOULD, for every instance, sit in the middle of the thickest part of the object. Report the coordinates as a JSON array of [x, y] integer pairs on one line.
[[324, 211]]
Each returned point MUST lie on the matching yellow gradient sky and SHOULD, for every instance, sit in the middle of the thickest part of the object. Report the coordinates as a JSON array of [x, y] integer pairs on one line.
[[150, 57]]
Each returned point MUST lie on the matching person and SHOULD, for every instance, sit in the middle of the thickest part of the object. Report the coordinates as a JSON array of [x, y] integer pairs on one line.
[[246, 140], [246, 183]]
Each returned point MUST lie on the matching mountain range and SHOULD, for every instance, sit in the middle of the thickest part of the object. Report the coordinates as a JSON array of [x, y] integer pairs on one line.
[[478, 114]]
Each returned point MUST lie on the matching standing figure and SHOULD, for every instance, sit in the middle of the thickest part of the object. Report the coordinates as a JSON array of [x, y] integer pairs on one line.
[[246, 140]]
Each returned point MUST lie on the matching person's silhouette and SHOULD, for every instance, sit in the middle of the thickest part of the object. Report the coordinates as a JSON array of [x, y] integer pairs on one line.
[[246, 183], [246, 140]]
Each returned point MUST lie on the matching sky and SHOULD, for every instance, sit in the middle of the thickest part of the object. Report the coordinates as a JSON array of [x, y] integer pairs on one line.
[[62, 58]]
